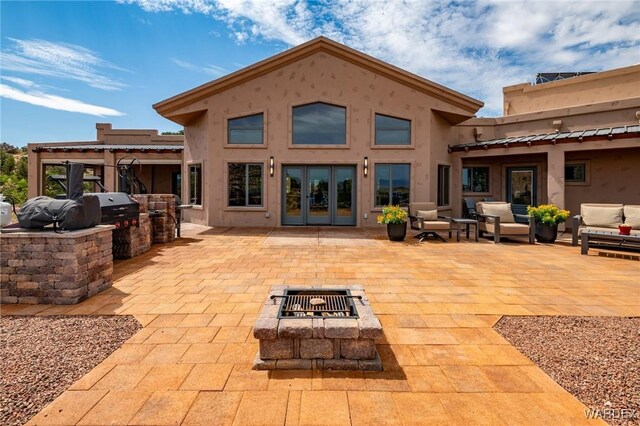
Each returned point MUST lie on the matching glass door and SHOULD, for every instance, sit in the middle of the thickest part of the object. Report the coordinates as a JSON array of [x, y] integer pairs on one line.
[[521, 188], [292, 190], [345, 195], [318, 196]]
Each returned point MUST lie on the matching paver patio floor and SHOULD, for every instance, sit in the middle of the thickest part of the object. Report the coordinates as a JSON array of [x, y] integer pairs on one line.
[[198, 297]]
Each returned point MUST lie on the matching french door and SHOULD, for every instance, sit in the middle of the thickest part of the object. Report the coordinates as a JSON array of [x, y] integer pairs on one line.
[[521, 188], [318, 195]]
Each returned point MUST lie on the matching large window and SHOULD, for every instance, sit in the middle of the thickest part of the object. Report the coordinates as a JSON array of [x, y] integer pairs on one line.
[[319, 124], [245, 185], [245, 130], [392, 131], [475, 179], [195, 184], [443, 184], [392, 184]]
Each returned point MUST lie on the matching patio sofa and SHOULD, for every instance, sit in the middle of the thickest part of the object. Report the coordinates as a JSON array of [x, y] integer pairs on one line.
[[604, 217], [497, 219]]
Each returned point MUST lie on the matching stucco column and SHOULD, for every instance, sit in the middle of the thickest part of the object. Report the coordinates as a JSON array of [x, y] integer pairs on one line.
[[33, 168], [456, 185], [110, 171], [555, 179]]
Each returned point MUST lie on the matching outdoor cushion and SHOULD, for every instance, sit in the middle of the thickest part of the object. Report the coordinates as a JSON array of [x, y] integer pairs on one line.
[[503, 210], [428, 214], [632, 216], [508, 228], [435, 225], [607, 216]]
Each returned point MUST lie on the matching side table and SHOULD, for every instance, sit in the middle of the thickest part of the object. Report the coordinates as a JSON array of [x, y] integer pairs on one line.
[[466, 222]]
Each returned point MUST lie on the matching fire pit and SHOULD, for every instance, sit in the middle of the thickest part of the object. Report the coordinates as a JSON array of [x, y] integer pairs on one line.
[[317, 328]]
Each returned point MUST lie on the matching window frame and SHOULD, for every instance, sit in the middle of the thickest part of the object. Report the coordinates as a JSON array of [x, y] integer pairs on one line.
[[374, 133], [246, 207], [376, 207], [587, 173], [478, 166], [331, 102], [440, 193], [244, 114], [189, 165]]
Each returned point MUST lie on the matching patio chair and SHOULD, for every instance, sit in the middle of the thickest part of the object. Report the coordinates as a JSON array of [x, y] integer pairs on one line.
[[496, 219], [469, 209], [423, 217]]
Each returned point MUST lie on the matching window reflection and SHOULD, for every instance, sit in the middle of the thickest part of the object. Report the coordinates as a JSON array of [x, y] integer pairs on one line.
[[319, 124]]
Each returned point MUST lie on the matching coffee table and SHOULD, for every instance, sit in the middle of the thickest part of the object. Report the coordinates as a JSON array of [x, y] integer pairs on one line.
[[466, 222], [609, 240]]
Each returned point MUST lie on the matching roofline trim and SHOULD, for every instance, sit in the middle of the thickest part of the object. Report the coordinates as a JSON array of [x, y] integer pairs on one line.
[[467, 103]]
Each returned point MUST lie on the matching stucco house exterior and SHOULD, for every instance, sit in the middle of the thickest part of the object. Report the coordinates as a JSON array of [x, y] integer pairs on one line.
[[156, 159], [318, 135], [565, 142], [322, 134]]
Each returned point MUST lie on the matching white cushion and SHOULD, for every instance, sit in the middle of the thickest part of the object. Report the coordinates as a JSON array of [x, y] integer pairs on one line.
[[632, 216], [498, 209], [428, 214], [605, 216]]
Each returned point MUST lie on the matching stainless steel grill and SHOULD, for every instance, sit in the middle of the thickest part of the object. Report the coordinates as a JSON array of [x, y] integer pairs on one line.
[[317, 303]]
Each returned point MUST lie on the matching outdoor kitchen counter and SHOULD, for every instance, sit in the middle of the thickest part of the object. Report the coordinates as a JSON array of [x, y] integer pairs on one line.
[[46, 267]]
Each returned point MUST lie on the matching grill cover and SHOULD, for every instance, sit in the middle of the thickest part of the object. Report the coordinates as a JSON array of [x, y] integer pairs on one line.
[[38, 212], [118, 209]]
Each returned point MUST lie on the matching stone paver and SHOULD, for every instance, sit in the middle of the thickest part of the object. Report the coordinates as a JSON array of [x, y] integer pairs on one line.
[[198, 298]]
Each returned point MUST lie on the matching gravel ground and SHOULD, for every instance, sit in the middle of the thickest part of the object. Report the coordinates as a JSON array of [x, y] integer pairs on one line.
[[41, 356], [596, 359]]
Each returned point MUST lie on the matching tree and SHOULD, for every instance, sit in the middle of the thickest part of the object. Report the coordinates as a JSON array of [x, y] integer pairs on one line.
[[22, 168], [179, 132], [7, 163]]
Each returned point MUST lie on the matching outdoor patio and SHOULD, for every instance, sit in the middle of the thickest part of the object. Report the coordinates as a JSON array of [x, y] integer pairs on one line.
[[198, 297]]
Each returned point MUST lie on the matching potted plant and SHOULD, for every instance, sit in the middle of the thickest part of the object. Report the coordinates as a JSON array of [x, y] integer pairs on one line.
[[547, 217], [395, 218]]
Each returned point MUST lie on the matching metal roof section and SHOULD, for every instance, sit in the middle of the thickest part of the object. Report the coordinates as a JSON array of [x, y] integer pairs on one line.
[[110, 148], [578, 136]]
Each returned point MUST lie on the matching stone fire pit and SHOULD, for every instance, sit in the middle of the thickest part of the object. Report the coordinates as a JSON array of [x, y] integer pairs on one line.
[[317, 328]]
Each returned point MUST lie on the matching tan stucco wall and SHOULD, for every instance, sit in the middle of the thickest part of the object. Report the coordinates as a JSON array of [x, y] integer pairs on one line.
[[613, 177], [319, 77], [613, 85]]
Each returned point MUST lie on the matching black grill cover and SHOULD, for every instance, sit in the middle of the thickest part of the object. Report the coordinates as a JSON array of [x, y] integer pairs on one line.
[[80, 213]]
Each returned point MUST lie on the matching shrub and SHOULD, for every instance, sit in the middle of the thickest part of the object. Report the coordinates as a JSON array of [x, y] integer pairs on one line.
[[392, 214], [548, 213]]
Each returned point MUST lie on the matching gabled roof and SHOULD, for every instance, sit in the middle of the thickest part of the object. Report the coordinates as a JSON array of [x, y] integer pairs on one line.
[[167, 107], [610, 133]]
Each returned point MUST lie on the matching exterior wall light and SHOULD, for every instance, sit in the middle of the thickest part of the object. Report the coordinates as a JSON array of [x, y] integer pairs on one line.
[[271, 166], [366, 166]]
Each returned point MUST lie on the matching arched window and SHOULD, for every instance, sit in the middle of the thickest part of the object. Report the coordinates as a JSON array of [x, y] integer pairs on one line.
[[319, 124]]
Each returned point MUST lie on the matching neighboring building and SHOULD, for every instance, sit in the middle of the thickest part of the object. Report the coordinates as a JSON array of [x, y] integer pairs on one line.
[[156, 159], [318, 135], [565, 142]]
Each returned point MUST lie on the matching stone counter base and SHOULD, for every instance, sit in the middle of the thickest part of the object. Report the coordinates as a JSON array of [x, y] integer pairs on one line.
[[44, 267], [317, 343]]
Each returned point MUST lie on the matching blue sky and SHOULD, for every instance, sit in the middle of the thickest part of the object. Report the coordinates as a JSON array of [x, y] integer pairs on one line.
[[67, 65]]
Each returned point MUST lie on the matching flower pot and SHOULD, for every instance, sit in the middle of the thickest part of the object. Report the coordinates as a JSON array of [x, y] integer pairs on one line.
[[546, 233], [397, 231], [625, 229]]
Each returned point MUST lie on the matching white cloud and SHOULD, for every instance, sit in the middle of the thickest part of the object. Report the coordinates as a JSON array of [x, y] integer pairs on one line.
[[60, 60], [55, 102], [20, 81], [473, 47], [212, 70]]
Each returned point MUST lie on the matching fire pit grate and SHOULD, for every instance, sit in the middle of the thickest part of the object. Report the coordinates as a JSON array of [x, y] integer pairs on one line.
[[298, 303]]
